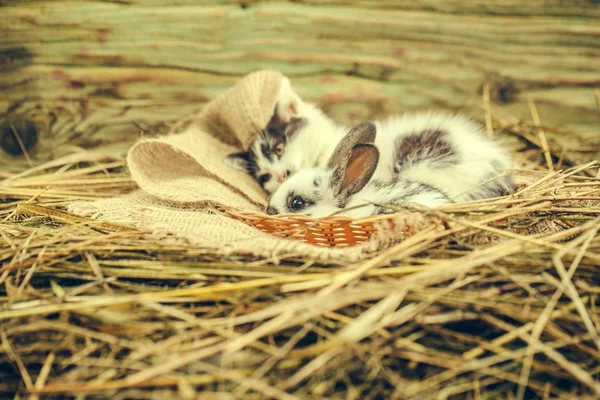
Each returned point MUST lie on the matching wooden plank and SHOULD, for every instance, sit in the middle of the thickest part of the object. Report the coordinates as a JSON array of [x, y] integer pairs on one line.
[[86, 71]]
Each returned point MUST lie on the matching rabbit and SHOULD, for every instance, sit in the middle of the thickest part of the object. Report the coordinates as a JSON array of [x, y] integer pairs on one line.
[[426, 164], [298, 136], [345, 186]]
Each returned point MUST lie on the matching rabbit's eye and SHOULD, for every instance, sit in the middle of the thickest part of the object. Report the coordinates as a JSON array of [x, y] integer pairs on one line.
[[279, 149], [297, 203], [264, 178]]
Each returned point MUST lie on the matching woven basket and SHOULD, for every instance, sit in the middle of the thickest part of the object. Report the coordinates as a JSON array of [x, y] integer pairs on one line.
[[326, 232]]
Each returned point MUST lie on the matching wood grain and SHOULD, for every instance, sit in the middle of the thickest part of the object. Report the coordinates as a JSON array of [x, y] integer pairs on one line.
[[92, 73]]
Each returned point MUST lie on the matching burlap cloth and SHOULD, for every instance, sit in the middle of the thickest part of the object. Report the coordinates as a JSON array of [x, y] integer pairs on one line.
[[183, 182]]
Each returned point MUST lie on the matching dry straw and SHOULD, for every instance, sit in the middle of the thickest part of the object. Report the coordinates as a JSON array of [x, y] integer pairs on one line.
[[497, 299]]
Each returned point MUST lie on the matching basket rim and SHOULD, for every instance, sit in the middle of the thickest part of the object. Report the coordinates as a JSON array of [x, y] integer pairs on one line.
[[292, 217]]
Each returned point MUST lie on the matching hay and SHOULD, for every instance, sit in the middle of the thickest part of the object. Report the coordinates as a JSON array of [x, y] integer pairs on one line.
[[474, 311]]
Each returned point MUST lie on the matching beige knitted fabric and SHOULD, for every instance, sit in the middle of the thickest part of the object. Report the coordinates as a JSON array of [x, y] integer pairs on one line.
[[240, 113], [188, 167]]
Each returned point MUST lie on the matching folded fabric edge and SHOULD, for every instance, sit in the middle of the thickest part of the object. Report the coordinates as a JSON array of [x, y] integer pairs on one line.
[[155, 149]]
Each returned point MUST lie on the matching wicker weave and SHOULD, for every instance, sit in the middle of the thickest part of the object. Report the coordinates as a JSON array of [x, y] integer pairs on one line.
[[326, 232]]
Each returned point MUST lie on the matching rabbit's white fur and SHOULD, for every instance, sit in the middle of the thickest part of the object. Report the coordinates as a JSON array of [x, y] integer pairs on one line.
[[427, 158], [476, 158]]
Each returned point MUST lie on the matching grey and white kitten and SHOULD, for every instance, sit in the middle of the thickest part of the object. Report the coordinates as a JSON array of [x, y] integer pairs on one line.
[[298, 136]]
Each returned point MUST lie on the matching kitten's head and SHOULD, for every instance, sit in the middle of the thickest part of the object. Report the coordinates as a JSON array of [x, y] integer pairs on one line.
[[275, 154], [267, 159]]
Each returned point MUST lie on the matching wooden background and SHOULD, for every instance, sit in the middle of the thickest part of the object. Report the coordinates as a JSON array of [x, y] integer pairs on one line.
[[91, 73]]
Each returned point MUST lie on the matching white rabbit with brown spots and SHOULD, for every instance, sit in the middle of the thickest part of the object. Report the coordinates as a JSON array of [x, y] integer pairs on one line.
[[431, 159]]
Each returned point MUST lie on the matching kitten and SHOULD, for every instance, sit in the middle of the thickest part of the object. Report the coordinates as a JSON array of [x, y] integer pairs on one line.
[[298, 136]]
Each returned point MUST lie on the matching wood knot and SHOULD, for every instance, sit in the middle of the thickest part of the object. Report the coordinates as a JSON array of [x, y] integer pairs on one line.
[[18, 135], [502, 90], [14, 58]]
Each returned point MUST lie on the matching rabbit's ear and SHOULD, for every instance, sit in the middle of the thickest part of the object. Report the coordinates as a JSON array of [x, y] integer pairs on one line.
[[354, 149], [362, 133], [356, 173]]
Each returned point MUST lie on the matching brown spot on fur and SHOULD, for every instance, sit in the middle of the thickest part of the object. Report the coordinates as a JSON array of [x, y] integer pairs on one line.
[[431, 145]]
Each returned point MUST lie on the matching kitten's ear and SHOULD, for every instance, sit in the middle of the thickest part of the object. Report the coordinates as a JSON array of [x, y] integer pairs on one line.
[[287, 101], [295, 125], [238, 161]]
